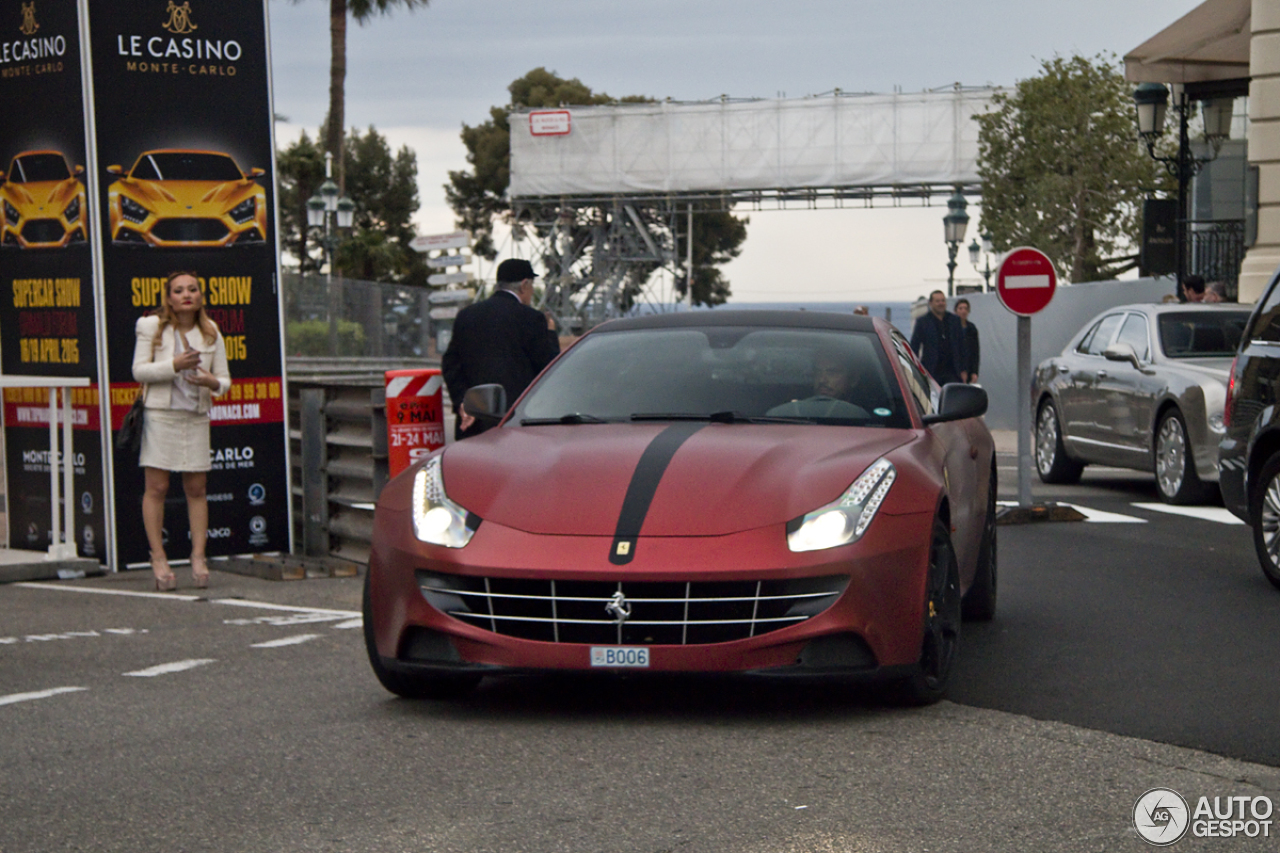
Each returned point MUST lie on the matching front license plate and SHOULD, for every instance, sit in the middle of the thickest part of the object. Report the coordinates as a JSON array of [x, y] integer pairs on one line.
[[625, 656]]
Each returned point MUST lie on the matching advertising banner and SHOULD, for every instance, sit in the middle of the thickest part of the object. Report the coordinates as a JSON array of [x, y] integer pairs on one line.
[[183, 126], [47, 321]]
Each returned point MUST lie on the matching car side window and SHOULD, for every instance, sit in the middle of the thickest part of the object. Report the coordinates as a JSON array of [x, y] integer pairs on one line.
[[1100, 338], [1134, 333], [918, 383], [1267, 325]]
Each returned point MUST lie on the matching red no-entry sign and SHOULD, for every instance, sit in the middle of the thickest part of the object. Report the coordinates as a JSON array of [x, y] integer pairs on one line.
[[1025, 281]]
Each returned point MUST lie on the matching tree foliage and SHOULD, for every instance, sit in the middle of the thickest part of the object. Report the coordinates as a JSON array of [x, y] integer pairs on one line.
[[1062, 169], [478, 196], [384, 188]]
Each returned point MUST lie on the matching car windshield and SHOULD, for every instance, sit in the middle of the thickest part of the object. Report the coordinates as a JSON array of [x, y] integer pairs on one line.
[[186, 166], [1201, 334], [720, 373], [38, 167]]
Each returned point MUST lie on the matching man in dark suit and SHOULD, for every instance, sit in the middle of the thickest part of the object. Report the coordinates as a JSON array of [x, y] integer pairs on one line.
[[500, 339], [938, 338]]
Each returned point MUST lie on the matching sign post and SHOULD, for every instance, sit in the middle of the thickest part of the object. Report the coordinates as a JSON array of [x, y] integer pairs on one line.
[[1025, 283]]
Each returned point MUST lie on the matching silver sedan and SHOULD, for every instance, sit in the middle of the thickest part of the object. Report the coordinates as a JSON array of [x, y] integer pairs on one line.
[[1140, 386]]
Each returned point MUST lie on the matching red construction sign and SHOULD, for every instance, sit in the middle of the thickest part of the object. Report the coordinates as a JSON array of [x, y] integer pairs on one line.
[[1025, 281], [415, 416]]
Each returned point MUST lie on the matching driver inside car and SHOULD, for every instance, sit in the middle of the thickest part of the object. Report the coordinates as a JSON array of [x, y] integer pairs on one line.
[[834, 382]]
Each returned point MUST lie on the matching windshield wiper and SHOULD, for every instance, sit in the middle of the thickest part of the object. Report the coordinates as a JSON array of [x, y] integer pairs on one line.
[[571, 418]]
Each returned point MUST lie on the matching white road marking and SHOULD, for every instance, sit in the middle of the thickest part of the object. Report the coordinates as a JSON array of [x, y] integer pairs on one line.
[[339, 614], [1091, 514], [1217, 514], [168, 596], [285, 641], [13, 698], [351, 623], [168, 668]]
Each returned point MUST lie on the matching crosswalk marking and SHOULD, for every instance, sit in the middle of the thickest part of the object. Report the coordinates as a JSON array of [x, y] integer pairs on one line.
[[167, 668], [1208, 513]]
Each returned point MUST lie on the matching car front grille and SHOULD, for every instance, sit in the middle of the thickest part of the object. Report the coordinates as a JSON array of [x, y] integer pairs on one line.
[[658, 613], [43, 231], [189, 230]]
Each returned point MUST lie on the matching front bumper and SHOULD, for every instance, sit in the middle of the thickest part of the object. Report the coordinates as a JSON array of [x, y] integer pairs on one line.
[[872, 628]]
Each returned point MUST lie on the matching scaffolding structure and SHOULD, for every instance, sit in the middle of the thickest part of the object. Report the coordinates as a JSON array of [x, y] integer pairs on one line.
[[606, 198]]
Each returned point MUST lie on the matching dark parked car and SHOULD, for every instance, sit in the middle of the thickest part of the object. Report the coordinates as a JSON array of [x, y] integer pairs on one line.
[[1249, 455], [1139, 386]]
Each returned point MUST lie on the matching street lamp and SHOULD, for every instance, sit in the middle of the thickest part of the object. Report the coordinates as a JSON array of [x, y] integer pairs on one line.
[[326, 206], [976, 253], [953, 225], [1152, 103]]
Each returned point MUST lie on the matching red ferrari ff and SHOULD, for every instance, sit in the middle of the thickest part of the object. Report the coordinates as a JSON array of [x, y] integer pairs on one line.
[[765, 492]]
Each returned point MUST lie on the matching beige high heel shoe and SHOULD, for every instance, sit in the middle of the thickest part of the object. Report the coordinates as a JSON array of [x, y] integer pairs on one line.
[[200, 572], [166, 580]]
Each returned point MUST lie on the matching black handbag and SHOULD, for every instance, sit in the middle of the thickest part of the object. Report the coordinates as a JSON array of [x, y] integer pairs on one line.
[[129, 437]]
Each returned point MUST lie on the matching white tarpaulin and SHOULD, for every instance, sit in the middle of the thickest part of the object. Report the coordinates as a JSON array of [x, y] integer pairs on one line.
[[819, 142]]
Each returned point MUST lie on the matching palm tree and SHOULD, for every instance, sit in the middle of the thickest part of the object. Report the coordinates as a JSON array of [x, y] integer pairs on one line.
[[362, 11]]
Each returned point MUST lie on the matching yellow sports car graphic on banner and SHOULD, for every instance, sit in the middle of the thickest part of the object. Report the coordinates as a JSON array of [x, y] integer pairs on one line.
[[43, 201], [187, 198]]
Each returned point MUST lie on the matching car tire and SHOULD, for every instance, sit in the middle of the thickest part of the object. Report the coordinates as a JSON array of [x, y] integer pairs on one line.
[[1052, 462], [1264, 515], [941, 636], [410, 686], [1175, 469], [979, 603]]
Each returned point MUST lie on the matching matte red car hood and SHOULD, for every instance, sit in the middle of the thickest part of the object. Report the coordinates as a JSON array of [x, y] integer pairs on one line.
[[724, 478]]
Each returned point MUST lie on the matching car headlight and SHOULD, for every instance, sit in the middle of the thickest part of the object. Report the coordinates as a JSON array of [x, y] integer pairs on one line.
[[846, 519], [11, 214], [133, 211], [244, 211], [72, 213], [436, 519]]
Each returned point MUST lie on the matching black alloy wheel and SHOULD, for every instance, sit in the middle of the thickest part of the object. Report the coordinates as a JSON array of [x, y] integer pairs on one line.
[[1052, 463], [1175, 467], [1264, 515], [941, 640], [980, 601], [426, 686]]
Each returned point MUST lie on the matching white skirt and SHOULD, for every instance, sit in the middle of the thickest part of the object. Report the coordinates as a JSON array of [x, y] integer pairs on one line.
[[175, 440]]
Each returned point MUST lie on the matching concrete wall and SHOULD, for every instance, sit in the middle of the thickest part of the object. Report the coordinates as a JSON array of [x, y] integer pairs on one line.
[[1070, 309]]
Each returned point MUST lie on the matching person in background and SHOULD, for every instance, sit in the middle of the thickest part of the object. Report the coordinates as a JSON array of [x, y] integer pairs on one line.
[[499, 340], [180, 359], [972, 350], [938, 339], [862, 310], [1193, 289]]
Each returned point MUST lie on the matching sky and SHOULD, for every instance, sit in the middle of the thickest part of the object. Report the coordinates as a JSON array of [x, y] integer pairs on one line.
[[420, 76]]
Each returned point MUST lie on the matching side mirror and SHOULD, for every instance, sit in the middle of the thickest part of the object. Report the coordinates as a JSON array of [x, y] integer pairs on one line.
[[115, 170], [486, 403], [1122, 352], [79, 170], [957, 403], [255, 172]]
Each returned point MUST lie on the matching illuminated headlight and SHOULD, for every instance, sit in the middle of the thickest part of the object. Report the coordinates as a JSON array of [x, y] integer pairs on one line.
[[72, 213], [436, 519], [846, 519], [133, 211], [11, 213], [243, 211]]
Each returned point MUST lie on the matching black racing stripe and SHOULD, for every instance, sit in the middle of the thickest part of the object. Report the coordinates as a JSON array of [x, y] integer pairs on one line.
[[644, 483]]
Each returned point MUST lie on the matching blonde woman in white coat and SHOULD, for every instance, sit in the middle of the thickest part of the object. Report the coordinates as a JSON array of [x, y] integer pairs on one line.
[[180, 360]]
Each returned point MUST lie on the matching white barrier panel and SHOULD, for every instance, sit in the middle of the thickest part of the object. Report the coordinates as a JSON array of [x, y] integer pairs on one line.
[[837, 141]]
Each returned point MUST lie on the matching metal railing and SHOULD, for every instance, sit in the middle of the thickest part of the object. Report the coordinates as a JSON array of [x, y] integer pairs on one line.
[[1215, 250]]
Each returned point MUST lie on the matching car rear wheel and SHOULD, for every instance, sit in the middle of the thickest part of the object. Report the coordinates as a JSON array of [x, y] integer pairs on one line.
[[980, 601], [1264, 515], [941, 624], [1052, 463], [1176, 477], [410, 686]]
